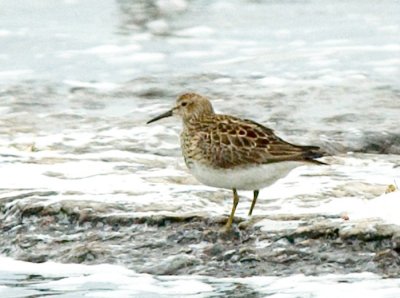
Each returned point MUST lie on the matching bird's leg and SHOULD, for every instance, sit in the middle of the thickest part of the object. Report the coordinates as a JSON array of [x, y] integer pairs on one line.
[[256, 192], [235, 203]]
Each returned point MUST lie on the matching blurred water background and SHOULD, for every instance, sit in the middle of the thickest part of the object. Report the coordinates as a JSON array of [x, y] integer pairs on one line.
[[84, 180]]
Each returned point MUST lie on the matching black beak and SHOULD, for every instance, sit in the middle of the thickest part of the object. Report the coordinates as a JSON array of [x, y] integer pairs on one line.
[[165, 115]]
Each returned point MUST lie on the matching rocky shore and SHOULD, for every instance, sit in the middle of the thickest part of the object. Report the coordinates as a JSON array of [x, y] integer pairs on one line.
[[95, 233]]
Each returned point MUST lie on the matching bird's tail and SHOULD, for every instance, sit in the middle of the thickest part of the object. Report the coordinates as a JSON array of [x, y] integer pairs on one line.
[[311, 153]]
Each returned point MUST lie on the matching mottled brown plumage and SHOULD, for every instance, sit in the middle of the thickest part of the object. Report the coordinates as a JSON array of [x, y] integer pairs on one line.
[[222, 146], [224, 141]]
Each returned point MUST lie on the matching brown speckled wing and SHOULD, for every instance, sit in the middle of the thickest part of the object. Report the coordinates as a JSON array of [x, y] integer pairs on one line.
[[233, 142]]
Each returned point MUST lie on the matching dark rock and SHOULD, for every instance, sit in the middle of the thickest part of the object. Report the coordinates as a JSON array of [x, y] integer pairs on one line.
[[214, 249], [250, 258], [172, 264], [321, 230], [389, 262], [228, 254], [396, 242]]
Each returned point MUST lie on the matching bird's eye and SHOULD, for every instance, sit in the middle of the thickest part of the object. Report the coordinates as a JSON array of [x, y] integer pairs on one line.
[[184, 104]]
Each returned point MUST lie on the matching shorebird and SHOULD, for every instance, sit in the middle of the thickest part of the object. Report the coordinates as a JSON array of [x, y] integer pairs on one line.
[[224, 151]]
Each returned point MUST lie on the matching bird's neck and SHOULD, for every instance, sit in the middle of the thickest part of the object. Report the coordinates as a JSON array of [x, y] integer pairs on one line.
[[195, 120]]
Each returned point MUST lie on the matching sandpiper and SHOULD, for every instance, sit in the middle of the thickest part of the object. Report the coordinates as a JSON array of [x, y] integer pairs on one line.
[[228, 152]]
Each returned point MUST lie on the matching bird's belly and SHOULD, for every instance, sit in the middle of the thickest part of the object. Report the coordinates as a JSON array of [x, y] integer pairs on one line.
[[243, 178]]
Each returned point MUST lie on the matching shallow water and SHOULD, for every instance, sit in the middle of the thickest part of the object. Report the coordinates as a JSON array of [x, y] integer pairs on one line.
[[114, 281], [84, 180]]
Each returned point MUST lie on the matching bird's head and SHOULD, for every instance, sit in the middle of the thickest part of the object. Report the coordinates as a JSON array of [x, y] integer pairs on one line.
[[188, 106]]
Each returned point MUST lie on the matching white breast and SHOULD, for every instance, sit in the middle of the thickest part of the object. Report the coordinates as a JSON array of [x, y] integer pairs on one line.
[[244, 178]]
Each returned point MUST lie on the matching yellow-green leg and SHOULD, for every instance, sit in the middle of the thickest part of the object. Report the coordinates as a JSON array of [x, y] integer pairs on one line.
[[256, 192], [235, 203]]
